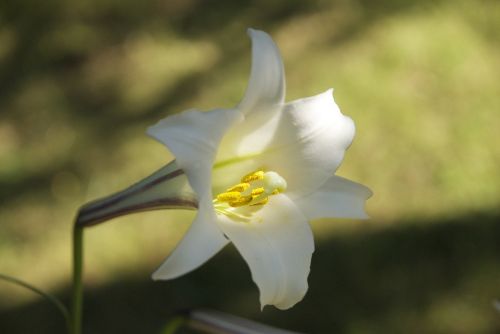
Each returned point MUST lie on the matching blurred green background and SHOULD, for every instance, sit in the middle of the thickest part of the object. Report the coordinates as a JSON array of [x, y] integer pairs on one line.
[[81, 80]]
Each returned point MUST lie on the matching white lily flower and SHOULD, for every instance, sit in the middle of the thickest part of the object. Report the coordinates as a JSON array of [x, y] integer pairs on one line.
[[261, 171]]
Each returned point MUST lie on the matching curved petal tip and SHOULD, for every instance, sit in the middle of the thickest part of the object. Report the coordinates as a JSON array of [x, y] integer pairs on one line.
[[266, 86]]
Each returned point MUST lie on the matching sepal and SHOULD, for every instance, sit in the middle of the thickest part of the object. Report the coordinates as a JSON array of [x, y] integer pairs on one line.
[[167, 188]]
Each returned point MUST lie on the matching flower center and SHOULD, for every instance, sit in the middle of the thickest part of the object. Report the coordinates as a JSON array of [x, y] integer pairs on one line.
[[253, 190]]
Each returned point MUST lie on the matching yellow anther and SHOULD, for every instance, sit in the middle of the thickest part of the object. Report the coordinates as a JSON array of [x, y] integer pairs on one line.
[[249, 193], [229, 196], [264, 201], [240, 187], [257, 191], [254, 176], [243, 200]]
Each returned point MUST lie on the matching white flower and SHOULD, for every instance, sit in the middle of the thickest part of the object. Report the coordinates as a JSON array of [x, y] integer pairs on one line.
[[261, 171]]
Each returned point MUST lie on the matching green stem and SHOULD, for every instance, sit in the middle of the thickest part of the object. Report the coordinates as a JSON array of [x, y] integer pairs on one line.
[[76, 311], [54, 300]]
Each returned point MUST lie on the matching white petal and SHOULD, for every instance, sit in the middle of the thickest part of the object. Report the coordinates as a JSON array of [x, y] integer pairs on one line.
[[304, 143], [277, 245], [193, 137], [201, 242], [267, 77], [261, 104], [337, 198], [241, 146], [310, 143]]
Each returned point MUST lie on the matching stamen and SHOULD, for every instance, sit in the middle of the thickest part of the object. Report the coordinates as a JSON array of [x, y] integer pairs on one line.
[[242, 200], [229, 196], [249, 192], [264, 201], [254, 176], [240, 187], [257, 191]]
